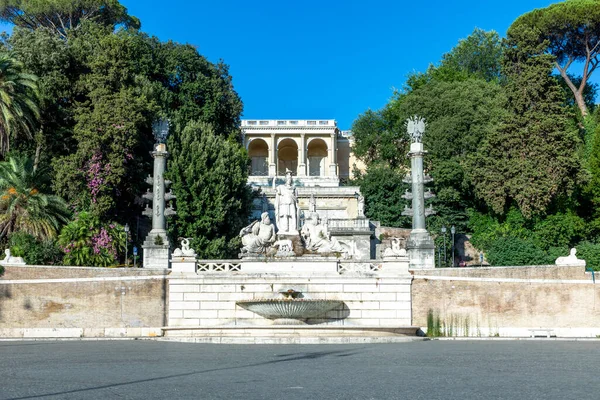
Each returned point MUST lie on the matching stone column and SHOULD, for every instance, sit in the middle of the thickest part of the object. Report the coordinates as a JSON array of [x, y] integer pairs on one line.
[[416, 171], [420, 246], [273, 156], [156, 246], [302, 158], [333, 156]]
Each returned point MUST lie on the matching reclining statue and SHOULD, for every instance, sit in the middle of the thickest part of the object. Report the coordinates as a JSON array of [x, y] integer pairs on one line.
[[259, 236]]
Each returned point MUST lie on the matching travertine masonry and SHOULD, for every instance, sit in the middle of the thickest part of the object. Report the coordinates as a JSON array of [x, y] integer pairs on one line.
[[209, 300]]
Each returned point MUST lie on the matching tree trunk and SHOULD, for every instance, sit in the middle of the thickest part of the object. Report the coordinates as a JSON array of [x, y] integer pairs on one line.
[[38, 151], [581, 103]]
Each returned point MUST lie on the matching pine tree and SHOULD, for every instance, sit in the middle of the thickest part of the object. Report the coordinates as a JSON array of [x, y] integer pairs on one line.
[[531, 159]]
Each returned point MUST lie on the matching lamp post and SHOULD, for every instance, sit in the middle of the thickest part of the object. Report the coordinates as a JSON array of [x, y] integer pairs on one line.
[[439, 257], [453, 230], [126, 229], [444, 234]]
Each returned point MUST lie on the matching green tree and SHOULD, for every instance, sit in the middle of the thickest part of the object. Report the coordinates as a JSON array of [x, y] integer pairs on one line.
[[48, 57], [209, 175], [19, 111], [24, 205], [382, 188], [531, 159], [569, 31], [60, 16], [477, 56]]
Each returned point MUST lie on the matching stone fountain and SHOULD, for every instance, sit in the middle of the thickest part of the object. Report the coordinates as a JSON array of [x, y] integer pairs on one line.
[[291, 309]]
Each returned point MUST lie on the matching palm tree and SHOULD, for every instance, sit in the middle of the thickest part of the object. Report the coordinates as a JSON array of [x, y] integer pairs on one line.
[[23, 207], [19, 111]]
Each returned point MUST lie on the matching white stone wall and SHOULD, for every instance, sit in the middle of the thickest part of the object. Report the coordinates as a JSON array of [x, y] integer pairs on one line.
[[210, 299]]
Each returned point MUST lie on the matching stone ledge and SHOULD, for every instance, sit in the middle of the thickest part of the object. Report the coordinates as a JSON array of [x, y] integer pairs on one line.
[[33, 333], [290, 331]]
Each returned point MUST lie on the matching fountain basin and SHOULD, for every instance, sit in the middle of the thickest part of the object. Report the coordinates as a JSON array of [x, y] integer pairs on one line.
[[292, 311]]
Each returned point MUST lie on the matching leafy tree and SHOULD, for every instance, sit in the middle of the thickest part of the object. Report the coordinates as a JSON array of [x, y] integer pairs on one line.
[[48, 57], [382, 188], [196, 89], [209, 176], [530, 159], [24, 205], [60, 16], [19, 111], [478, 56], [568, 30], [86, 241]]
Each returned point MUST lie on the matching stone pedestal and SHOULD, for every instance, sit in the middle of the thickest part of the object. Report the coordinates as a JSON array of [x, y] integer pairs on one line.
[[156, 256], [421, 250], [184, 265], [294, 239], [396, 265]]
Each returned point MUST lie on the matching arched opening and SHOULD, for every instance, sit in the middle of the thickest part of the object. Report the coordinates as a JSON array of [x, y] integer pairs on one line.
[[317, 156], [258, 151], [287, 155]]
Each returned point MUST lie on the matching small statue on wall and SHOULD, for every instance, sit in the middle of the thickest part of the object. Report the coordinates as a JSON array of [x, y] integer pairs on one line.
[[312, 204], [396, 250], [361, 205], [185, 250]]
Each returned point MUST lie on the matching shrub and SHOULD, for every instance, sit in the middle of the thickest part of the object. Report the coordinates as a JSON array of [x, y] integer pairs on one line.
[[590, 252], [34, 251], [512, 251], [87, 241]]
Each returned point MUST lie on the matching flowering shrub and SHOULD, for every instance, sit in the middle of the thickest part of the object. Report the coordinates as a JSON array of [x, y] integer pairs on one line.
[[87, 241]]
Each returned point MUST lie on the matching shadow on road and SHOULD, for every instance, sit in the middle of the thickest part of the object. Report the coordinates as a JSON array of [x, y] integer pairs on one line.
[[290, 358]]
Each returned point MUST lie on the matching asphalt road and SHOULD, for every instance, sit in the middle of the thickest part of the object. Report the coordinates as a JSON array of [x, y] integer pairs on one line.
[[414, 370]]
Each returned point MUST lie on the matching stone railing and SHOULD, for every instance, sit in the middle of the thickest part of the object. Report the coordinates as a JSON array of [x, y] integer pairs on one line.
[[219, 266], [357, 267], [359, 224], [341, 267], [287, 123]]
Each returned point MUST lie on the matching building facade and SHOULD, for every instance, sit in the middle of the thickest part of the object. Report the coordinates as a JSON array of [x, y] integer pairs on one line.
[[317, 152]]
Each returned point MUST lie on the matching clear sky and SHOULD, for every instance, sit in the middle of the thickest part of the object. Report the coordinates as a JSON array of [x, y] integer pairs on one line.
[[323, 59]]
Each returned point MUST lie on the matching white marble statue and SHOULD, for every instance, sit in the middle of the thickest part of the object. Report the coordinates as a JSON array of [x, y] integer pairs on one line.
[[571, 259], [259, 236], [312, 204], [396, 250], [361, 204], [12, 260], [317, 238], [286, 206], [185, 250]]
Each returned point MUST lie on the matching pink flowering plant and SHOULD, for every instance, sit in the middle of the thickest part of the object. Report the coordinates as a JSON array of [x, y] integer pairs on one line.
[[87, 241]]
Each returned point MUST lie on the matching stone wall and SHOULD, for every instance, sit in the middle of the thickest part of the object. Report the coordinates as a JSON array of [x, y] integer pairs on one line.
[[72, 301], [210, 300], [509, 301]]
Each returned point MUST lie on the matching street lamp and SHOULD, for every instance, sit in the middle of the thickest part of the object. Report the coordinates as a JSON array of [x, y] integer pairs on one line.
[[444, 234], [126, 229], [453, 230]]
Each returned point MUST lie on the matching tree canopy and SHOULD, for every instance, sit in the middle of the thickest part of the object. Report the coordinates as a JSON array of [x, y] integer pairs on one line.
[[570, 31], [60, 16]]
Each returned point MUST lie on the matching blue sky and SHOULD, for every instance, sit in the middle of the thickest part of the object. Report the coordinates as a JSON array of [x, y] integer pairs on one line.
[[323, 59]]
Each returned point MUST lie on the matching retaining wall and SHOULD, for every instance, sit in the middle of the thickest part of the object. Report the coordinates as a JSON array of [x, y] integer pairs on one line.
[[508, 301], [39, 301]]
